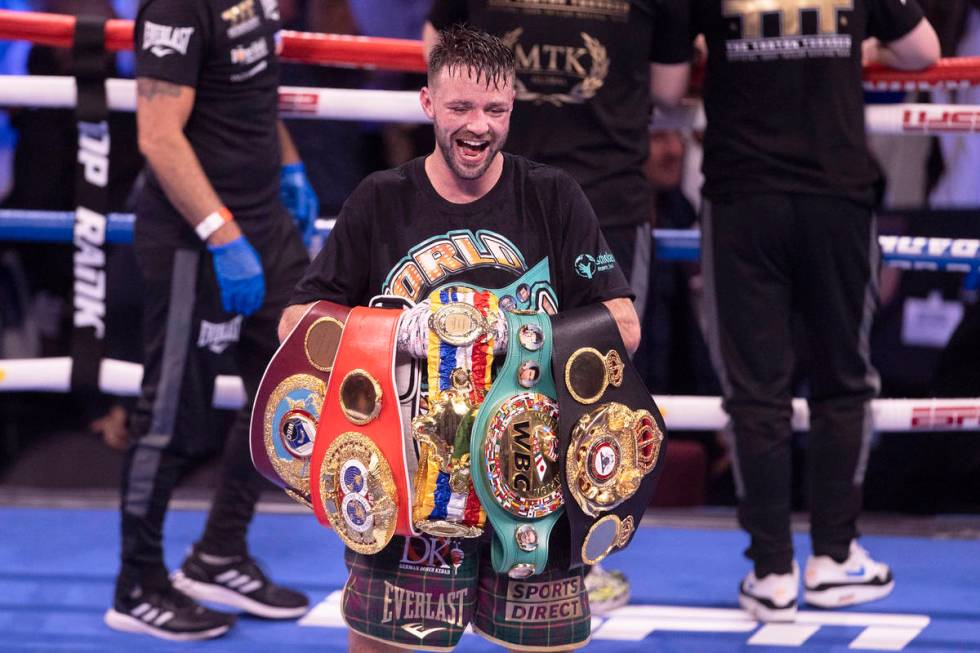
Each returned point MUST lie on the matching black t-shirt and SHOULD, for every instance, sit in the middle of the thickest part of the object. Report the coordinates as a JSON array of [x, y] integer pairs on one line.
[[583, 86], [226, 51], [783, 94], [533, 235]]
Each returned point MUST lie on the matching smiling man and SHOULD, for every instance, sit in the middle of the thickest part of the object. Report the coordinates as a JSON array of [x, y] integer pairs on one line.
[[465, 213]]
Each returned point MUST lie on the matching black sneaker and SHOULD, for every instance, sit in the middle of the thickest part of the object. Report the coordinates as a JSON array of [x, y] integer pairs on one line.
[[166, 614], [237, 582]]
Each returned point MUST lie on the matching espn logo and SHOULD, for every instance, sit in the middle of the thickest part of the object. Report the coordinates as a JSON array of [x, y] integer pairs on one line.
[[924, 121], [945, 418]]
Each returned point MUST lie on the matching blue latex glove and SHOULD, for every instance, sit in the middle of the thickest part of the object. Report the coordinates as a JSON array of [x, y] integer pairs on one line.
[[240, 276], [297, 195]]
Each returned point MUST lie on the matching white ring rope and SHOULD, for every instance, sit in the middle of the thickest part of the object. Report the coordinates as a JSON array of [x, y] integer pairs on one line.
[[680, 412], [403, 106]]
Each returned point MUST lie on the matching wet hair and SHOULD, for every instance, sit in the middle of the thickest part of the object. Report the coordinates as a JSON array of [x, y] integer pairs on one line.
[[482, 55]]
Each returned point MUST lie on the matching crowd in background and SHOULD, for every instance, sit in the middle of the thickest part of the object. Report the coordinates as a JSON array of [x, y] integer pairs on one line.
[[918, 315]]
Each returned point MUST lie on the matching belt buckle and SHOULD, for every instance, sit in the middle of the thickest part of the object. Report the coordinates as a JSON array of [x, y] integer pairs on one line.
[[289, 428], [521, 454], [358, 492], [612, 449]]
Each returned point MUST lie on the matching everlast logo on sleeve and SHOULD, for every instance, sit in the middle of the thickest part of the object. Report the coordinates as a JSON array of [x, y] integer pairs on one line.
[[163, 40], [89, 236]]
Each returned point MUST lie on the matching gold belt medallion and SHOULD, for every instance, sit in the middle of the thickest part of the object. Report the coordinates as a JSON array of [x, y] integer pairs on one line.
[[521, 454], [612, 449], [358, 492], [289, 429], [588, 373]]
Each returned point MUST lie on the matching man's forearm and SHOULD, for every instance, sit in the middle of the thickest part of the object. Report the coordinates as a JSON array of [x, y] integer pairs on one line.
[[289, 152], [626, 319]]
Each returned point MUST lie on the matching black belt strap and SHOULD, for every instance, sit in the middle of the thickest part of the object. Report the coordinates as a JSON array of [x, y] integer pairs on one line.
[[91, 202]]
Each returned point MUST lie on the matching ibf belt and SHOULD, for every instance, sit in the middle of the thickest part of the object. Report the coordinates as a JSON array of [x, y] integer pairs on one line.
[[289, 398], [515, 449], [460, 357], [612, 434], [362, 455]]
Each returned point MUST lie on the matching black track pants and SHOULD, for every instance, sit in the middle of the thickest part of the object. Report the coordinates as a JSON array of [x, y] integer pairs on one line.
[[766, 257]]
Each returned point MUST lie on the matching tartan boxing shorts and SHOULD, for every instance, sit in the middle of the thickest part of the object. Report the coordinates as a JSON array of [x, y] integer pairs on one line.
[[421, 592]]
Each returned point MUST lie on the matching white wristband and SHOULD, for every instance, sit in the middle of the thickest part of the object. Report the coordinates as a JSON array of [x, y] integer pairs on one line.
[[214, 221]]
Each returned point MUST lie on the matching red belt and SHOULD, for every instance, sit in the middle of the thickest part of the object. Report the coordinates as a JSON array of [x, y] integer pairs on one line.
[[363, 456]]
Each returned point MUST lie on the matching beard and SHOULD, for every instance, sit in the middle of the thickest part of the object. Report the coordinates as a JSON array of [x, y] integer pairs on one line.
[[452, 152]]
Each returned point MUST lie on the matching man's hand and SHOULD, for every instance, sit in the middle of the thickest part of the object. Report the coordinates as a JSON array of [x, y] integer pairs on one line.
[[240, 276], [290, 318], [299, 198]]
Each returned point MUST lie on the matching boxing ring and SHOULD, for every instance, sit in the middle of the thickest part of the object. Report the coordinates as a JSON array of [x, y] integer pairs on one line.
[[691, 611]]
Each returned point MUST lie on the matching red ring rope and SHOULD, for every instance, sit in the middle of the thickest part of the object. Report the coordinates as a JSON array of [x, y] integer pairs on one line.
[[57, 30], [406, 55]]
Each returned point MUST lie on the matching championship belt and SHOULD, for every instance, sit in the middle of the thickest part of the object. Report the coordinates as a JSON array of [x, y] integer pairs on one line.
[[362, 458], [289, 398], [460, 357], [612, 434], [515, 450]]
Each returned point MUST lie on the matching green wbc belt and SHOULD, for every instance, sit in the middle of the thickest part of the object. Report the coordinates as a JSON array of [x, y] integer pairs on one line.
[[514, 446], [611, 434]]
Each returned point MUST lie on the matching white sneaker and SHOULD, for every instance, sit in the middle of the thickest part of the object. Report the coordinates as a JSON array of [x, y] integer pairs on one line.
[[858, 579], [771, 598], [607, 590]]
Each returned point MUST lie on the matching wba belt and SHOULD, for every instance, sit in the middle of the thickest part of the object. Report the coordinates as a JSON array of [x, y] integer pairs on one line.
[[460, 357], [611, 432], [515, 450], [289, 398], [363, 457]]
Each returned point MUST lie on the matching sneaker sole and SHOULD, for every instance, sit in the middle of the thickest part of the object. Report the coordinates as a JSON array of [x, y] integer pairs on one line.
[[124, 623], [764, 613], [217, 594], [838, 597]]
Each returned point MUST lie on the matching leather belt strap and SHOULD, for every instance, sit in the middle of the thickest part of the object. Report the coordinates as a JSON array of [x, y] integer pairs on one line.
[[361, 470], [515, 450], [290, 396], [611, 432]]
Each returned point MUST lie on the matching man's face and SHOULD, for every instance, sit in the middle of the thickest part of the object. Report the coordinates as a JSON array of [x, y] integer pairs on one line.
[[471, 119], [666, 163]]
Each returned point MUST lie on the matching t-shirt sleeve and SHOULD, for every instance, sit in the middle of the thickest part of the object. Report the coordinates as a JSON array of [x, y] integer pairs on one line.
[[170, 38], [444, 13], [890, 20], [671, 32], [339, 272], [587, 272]]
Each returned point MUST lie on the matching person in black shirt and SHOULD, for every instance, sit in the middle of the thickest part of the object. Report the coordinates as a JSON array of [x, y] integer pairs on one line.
[[468, 213], [787, 228], [219, 255], [585, 78]]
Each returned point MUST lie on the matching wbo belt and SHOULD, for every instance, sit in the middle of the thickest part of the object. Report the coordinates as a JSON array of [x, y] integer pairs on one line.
[[363, 458], [290, 396], [460, 357], [611, 431], [515, 449]]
